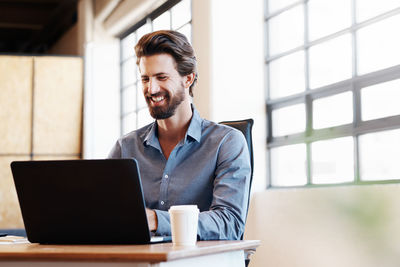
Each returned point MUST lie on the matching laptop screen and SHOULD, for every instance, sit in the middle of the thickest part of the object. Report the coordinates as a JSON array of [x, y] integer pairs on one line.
[[82, 201]]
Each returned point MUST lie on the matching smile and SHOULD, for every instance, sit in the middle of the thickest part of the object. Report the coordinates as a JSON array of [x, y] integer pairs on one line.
[[157, 99]]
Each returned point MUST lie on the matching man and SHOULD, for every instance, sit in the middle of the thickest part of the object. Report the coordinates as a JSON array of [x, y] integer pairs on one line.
[[183, 158]]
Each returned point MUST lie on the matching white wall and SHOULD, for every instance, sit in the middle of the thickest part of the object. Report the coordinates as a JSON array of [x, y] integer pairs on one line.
[[342, 226], [102, 98], [102, 83], [202, 44]]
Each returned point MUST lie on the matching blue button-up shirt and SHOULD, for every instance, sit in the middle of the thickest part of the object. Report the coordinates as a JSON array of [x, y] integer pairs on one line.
[[210, 168]]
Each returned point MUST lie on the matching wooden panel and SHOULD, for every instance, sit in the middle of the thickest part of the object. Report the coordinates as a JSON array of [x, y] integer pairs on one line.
[[55, 157], [16, 104], [57, 105], [10, 214]]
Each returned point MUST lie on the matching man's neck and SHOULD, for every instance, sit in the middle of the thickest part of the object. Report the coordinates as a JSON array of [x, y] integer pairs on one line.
[[174, 128]]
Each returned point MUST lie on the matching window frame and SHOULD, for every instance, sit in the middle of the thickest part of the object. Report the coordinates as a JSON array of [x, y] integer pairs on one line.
[[353, 84]]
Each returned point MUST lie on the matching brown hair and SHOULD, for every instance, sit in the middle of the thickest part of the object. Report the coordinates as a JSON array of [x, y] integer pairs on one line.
[[172, 43]]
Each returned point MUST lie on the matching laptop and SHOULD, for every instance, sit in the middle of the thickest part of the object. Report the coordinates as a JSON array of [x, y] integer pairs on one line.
[[82, 202]]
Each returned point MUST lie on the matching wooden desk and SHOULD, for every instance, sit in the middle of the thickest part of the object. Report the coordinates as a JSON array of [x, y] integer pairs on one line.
[[205, 254]]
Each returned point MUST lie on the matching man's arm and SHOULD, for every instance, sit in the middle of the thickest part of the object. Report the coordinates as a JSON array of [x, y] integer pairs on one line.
[[115, 152], [151, 219], [226, 217]]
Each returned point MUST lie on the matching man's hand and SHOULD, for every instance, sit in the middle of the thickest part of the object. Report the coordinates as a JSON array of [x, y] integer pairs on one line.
[[151, 219]]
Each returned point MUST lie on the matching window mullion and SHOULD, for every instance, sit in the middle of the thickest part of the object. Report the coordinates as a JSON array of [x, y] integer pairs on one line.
[[309, 163]]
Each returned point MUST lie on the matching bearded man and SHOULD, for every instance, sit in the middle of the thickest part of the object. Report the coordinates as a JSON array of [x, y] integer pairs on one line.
[[184, 159]]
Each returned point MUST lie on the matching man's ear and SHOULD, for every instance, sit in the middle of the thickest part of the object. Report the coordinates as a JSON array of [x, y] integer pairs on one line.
[[189, 79]]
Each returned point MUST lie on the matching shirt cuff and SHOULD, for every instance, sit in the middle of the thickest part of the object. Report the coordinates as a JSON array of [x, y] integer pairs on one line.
[[163, 223]]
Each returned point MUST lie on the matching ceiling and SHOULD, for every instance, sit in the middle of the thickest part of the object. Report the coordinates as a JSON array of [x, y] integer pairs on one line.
[[32, 26]]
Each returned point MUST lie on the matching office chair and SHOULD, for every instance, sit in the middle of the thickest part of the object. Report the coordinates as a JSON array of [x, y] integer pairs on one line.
[[245, 127]]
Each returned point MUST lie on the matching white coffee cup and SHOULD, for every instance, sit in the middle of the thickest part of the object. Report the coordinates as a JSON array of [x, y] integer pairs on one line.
[[184, 220]]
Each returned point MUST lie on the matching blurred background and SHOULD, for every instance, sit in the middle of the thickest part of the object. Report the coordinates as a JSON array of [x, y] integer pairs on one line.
[[320, 78]]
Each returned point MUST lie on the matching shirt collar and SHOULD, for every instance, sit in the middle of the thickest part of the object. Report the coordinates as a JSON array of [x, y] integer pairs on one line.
[[150, 136], [194, 130]]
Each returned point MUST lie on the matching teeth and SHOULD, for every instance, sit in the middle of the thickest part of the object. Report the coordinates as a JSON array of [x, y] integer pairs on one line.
[[157, 99]]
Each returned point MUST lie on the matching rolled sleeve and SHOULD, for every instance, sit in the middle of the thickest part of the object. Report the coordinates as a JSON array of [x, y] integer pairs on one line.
[[163, 223]]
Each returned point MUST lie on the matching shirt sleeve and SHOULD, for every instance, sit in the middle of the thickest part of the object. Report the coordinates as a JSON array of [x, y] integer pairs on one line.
[[225, 220], [115, 152]]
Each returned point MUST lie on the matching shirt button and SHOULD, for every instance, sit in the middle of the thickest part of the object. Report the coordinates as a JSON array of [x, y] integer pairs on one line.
[[162, 202], [166, 176]]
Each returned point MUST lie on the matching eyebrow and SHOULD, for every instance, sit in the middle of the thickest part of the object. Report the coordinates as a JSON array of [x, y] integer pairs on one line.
[[157, 74]]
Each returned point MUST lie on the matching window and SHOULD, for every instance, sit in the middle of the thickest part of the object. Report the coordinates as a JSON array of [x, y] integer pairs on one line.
[[333, 91], [175, 15]]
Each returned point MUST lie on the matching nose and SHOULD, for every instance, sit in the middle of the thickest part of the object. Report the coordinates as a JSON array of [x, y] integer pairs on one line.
[[153, 88]]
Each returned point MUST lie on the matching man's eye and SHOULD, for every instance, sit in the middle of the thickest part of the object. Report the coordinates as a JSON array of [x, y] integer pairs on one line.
[[145, 79], [162, 78]]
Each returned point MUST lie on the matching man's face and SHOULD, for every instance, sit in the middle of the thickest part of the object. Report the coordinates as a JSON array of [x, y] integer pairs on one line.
[[163, 87]]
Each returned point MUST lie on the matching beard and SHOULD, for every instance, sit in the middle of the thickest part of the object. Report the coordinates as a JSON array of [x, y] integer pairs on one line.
[[168, 110]]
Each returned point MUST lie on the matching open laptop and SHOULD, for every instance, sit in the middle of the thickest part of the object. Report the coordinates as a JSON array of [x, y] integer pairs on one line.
[[82, 202]]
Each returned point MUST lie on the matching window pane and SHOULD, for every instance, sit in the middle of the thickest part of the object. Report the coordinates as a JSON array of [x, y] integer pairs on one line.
[[327, 17], [370, 8], [289, 66], [333, 110], [146, 28], [378, 45], [330, 62], [138, 75], [288, 165], [333, 161], [381, 100], [128, 72], [181, 14], [141, 100], [379, 156], [144, 118], [127, 46], [289, 120], [187, 31], [275, 5], [286, 30], [129, 99], [129, 123], [162, 22]]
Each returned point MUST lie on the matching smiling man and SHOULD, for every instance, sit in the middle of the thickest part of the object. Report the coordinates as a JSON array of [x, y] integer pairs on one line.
[[183, 158]]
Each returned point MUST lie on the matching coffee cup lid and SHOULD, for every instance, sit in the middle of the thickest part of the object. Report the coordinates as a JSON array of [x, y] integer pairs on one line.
[[183, 208]]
